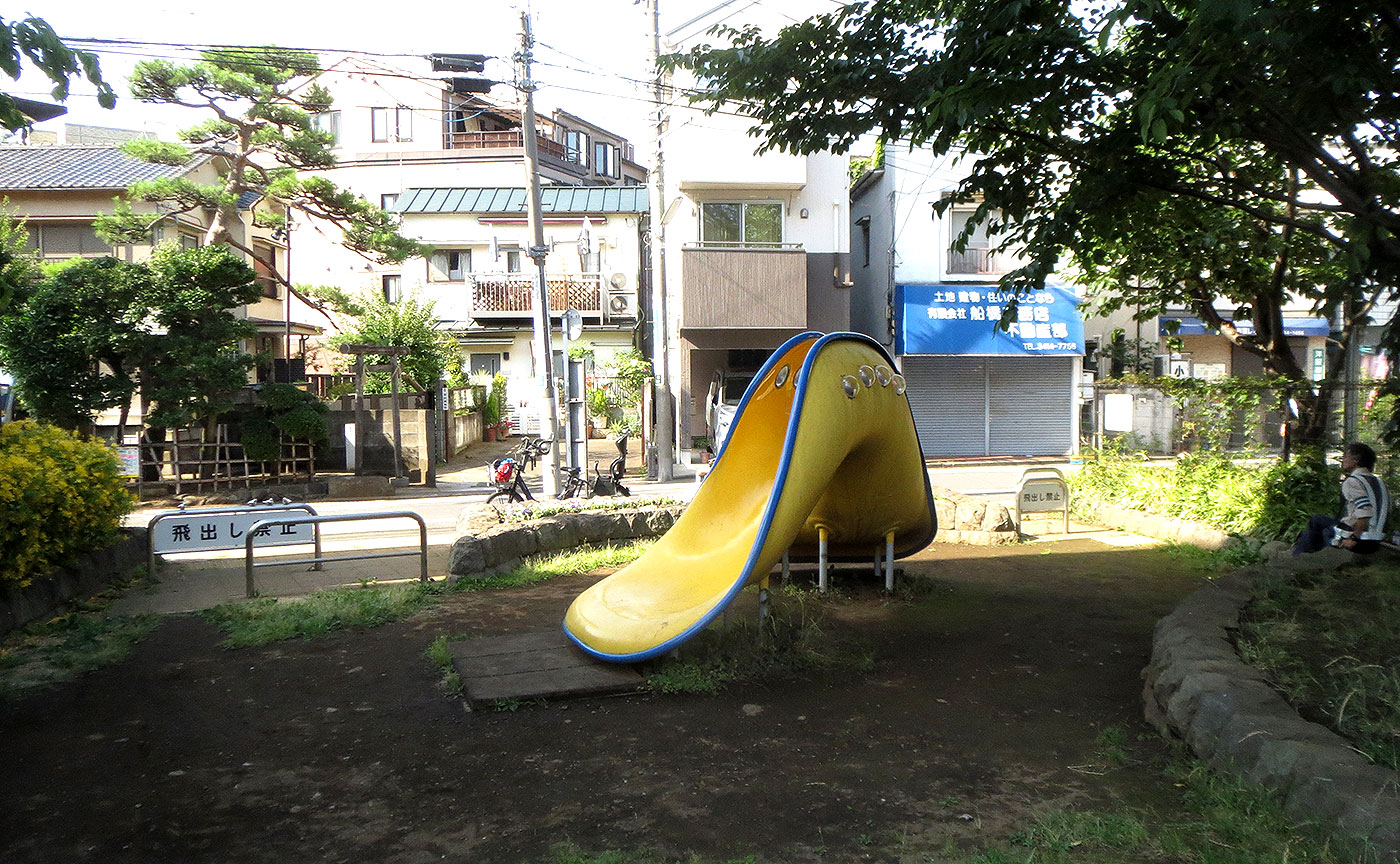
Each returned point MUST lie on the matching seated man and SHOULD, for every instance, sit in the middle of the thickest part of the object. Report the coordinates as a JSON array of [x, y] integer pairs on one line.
[[1362, 527]]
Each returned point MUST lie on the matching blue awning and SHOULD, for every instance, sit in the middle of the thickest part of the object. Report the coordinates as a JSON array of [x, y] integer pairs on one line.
[[1193, 326], [962, 320]]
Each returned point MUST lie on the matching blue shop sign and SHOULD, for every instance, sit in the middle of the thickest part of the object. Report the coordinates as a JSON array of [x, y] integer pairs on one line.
[[962, 319], [1191, 326]]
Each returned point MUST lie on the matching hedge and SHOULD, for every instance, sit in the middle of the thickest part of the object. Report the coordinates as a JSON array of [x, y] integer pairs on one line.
[[60, 495]]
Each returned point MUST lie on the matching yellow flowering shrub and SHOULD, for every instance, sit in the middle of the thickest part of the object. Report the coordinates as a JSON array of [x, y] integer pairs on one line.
[[59, 495]]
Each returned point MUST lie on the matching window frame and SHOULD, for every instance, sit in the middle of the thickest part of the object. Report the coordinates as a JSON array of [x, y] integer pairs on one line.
[[444, 273], [392, 294], [389, 200], [743, 242], [328, 121], [577, 152], [383, 131]]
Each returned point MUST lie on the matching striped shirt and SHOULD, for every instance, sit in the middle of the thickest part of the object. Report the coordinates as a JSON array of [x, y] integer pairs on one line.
[[1366, 497]]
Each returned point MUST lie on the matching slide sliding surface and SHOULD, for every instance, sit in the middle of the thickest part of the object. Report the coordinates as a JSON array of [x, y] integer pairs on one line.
[[823, 440]]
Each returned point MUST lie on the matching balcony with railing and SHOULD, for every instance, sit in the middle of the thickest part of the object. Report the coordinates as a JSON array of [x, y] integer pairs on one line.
[[510, 139], [511, 295], [735, 285], [975, 262]]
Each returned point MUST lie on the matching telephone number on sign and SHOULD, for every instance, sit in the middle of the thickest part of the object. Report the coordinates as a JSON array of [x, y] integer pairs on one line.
[[1050, 346]]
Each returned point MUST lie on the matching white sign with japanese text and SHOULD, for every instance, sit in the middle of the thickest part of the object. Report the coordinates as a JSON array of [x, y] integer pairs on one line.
[[195, 532], [1042, 496]]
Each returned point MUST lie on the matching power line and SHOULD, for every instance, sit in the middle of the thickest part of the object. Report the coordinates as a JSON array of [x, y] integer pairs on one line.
[[191, 46]]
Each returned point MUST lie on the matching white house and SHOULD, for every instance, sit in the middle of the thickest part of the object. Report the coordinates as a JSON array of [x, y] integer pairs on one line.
[[757, 249], [975, 390]]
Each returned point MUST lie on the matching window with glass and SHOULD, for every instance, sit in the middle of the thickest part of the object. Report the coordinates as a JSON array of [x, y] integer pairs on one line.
[[603, 159], [576, 147], [392, 286], [449, 265], [978, 257], [391, 124], [65, 239], [328, 122], [742, 223], [388, 201], [512, 260]]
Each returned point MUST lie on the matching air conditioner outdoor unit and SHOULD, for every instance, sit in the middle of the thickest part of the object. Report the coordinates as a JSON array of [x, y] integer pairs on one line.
[[622, 304]]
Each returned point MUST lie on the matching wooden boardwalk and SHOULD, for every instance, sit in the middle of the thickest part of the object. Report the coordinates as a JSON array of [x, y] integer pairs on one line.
[[540, 664]]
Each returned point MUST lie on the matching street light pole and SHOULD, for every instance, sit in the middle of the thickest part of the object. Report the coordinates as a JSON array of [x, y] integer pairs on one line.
[[538, 251]]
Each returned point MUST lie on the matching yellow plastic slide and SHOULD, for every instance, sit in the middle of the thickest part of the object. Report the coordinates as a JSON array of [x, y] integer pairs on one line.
[[823, 439]]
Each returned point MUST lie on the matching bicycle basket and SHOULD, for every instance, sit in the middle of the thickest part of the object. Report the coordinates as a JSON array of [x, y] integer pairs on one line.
[[505, 469]]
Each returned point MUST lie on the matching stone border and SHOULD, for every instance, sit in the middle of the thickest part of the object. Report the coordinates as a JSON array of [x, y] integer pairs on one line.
[[85, 575], [1156, 526], [484, 547], [1199, 689], [972, 521]]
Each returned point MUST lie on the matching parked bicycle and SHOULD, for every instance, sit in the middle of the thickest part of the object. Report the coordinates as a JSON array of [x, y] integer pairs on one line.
[[575, 485], [508, 472]]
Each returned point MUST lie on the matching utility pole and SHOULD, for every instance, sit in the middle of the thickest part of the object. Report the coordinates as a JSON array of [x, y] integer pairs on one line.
[[549, 411], [663, 434]]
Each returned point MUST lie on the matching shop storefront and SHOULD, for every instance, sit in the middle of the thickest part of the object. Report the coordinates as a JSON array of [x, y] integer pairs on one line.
[[977, 390]]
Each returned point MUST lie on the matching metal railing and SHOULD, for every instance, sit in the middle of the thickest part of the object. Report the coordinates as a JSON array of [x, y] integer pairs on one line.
[[974, 260], [257, 530], [157, 546]]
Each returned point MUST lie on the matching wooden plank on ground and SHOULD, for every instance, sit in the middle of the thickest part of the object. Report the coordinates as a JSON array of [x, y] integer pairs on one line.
[[539, 664]]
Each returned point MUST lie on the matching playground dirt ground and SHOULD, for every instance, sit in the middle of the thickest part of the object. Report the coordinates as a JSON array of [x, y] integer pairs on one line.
[[987, 706]]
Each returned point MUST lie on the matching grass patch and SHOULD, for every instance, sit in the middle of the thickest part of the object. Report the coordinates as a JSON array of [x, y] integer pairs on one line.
[[793, 640], [1221, 820], [268, 619], [583, 559], [51, 652], [441, 656], [524, 511], [1232, 557], [1329, 642]]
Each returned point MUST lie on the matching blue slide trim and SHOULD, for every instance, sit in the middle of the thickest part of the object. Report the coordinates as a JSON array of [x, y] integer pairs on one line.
[[779, 483]]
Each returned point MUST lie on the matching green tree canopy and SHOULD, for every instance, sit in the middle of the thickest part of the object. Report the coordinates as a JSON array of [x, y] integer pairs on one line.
[[262, 102], [33, 40], [96, 330], [407, 323], [72, 346], [1177, 149]]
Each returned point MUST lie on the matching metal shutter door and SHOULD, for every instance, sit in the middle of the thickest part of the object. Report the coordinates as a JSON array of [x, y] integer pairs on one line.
[[949, 401], [1031, 406]]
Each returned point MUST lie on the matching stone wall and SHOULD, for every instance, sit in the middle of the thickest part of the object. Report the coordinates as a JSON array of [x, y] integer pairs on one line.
[[1199, 689], [82, 577], [484, 547], [1154, 525], [970, 520]]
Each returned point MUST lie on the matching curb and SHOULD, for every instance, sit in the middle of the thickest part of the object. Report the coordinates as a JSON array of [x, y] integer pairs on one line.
[[1198, 689]]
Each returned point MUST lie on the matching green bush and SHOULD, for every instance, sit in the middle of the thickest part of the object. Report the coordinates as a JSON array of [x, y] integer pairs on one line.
[[59, 495], [285, 410], [1269, 501]]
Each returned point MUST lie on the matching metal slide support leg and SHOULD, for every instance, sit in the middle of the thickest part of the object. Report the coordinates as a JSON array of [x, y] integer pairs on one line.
[[763, 601], [889, 562], [787, 569], [821, 560]]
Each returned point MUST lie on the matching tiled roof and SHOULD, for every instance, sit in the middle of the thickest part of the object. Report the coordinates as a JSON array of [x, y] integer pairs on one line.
[[76, 167], [553, 199]]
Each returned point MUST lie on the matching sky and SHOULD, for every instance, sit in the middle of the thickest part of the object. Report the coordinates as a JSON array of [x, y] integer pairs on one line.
[[591, 57]]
